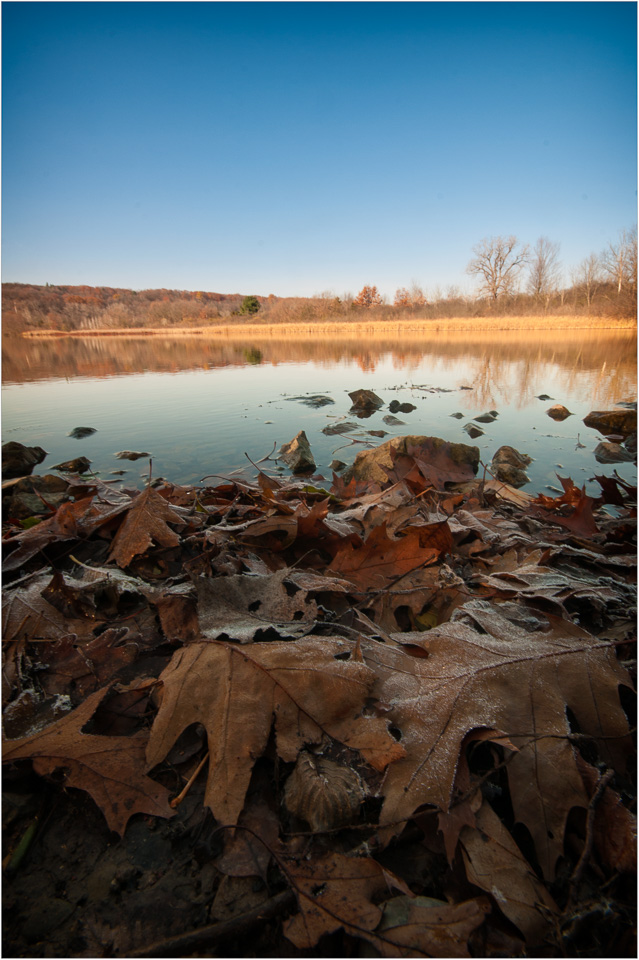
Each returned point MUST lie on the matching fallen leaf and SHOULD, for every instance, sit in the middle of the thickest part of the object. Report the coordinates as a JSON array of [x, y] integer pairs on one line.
[[109, 768], [243, 608], [425, 927], [495, 863], [304, 688], [379, 560], [482, 670], [145, 522], [615, 827], [333, 892]]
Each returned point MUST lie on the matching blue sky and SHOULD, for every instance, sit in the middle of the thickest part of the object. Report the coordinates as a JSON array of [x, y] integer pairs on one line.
[[294, 148]]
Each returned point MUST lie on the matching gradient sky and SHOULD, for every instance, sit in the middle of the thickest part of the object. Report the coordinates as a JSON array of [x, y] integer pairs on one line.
[[295, 148]]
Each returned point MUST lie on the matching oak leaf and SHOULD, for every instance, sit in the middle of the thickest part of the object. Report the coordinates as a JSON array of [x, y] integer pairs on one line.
[[424, 927], [340, 892], [146, 521], [495, 863], [483, 670], [377, 561], [242, 607], [109, 768], [306, 689]]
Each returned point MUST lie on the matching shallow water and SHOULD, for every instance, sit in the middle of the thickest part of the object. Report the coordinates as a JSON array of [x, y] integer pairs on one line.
[[199, 404]]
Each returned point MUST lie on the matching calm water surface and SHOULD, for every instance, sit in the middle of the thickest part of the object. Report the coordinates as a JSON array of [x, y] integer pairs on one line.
[[198, 404]]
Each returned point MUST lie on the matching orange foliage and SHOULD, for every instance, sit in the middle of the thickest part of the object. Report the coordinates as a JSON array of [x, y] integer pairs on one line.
[[367, 297]]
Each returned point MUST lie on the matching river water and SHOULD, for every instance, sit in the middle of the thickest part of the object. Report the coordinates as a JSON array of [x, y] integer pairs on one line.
[[200, 404]]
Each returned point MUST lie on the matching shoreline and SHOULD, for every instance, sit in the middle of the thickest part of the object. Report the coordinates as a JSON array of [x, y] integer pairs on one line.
[[341, 328]]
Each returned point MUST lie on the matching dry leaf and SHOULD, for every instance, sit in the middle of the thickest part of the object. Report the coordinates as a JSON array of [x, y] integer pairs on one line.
[[379, 560], [145, 523], [424, 927], [495, 863], [238, 692], [332, 892], [488, 672], [109, 768]]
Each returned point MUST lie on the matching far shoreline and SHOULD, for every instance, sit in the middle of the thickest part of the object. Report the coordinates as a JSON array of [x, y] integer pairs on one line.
[[342, 328]]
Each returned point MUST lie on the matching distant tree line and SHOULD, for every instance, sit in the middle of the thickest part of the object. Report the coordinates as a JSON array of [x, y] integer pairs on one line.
[[512, 278]]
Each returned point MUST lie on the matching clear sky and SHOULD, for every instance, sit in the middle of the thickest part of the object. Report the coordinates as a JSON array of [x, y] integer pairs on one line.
[[295, 148]]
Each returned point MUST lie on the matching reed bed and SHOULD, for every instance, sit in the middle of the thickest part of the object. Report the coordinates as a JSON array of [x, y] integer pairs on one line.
[[349, 329]]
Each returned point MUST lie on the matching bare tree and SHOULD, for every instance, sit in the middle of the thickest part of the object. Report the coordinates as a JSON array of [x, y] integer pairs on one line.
[[498, 262], [545, 270], [619, 260], [588, 276]]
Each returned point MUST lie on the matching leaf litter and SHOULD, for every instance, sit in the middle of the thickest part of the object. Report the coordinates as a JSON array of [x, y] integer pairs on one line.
[[329, 683]]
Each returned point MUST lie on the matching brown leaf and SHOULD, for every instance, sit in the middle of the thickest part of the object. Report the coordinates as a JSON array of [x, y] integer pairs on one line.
[[482, 670], [242, 607], [78, 669], [27, 614], [379, 560], [109, 768], [579, 517], [433, 462], [424, 927], [333, 892], [495, 863], [238, 692], [615, 829], [146, 521]]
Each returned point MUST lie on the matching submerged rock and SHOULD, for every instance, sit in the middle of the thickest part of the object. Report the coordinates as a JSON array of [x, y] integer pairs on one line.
[[486, 417], [79, 433], [544, 396], [377, 433], [369, 464], [315, 401], [457, 416], [392, 421], [559, 412], [622, 422], [336, 466], [473, 431], [79, 465], [608, 452], [396, 407], [297, 454], [131, 455], [508, 466], [336, 428], [18, 460]]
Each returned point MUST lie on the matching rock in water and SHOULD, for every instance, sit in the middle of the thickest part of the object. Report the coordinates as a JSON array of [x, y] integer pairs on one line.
[[508, 466], [79, 433], [18, 460], [297, 454], [607, 452], [79, 465], [365, 400], [473, 431], [558, 412], [622, 422], [370, 464], [131, 455]]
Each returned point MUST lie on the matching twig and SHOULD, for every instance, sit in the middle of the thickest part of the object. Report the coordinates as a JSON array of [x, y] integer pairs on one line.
[[176, 801], [186, 943], [590, 835]]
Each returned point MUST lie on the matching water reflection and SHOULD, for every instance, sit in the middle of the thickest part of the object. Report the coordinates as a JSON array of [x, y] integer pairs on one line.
[[604, 360], [201, 405]]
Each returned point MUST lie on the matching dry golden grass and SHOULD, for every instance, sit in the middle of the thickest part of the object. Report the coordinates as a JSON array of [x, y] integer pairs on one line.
[[348, 329]]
